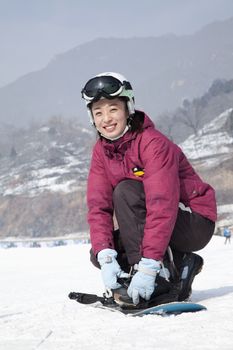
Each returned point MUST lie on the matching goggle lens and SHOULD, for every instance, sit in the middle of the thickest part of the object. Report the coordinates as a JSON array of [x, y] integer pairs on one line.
[[109, 85], [105, 85]]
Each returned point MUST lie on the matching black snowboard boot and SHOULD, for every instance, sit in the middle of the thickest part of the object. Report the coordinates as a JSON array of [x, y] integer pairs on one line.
[[191, 266], [167, 287]]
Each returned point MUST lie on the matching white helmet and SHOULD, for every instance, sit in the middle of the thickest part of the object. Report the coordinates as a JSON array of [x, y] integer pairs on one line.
[[108, 85]]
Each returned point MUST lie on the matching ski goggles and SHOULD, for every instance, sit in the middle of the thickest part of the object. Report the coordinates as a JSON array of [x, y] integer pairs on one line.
[[106, 86]]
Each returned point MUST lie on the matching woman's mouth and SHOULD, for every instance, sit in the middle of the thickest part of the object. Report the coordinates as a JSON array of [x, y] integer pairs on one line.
[[110, 128]]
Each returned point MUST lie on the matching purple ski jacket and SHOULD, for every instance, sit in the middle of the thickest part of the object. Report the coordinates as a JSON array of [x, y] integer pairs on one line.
[[168, 179]]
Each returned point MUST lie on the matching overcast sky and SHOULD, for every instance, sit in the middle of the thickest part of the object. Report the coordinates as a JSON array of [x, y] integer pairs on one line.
[[32, 32]]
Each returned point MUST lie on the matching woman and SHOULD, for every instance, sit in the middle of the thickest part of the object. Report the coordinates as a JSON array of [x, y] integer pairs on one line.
[[141, 177]]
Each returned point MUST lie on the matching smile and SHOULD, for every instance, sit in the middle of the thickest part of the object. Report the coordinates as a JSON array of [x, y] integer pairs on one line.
[[110, 127]]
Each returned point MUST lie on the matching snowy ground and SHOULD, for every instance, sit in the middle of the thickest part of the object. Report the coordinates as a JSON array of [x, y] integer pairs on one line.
[[35, 312]]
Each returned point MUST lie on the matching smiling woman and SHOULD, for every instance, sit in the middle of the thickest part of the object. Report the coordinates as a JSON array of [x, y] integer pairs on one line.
[[162, 207]]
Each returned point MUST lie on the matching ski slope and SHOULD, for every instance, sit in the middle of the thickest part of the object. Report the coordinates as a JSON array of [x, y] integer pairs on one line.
[[35, 312]]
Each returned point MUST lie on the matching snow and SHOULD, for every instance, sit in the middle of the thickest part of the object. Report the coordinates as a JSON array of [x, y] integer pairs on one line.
[[218, 122], [46, 179], [226, 208], [36, 187], [37, 314], [211, 141]]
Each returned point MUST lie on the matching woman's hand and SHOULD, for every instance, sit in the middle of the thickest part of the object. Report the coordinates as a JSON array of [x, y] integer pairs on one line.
[[110, 269], [143, 282]]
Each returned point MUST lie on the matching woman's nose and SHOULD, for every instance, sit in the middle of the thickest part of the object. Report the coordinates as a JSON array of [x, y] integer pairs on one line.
[[106, 117]]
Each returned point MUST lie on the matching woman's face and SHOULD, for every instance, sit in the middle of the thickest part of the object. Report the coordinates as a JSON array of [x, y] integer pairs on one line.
[[110, 117]]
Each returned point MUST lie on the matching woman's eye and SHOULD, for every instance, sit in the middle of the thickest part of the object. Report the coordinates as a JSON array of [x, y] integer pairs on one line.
[[97, 114]]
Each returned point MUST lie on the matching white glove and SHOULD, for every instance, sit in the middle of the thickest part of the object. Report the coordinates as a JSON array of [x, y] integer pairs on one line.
[[143, 282], [110, 269]]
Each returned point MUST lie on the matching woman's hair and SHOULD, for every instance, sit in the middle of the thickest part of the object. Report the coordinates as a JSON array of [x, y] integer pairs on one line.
[[136, 122]]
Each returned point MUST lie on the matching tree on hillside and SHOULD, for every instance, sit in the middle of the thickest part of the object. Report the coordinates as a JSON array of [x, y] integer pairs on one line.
[[13, 152], [220, 86], [190, 114], [165, 124]]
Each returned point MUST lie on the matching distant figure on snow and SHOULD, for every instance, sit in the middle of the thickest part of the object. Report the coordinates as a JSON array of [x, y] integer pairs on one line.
[[227, 235]]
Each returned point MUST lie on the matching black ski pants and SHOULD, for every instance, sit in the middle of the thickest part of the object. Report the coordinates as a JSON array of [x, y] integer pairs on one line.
[[192, 231]]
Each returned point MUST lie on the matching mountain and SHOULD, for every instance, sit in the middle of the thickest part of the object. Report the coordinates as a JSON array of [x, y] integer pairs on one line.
[[43, 179], [163, 70], [195, 114]]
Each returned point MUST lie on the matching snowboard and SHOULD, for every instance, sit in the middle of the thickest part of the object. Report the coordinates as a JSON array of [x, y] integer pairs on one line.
[[168, 309], [174, 308]]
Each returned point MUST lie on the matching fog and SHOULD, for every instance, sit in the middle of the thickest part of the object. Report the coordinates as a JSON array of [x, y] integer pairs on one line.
[[33, 33]]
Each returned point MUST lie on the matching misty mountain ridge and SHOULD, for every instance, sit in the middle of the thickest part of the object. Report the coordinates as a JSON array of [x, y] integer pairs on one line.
[[163, 71], [193, 115]]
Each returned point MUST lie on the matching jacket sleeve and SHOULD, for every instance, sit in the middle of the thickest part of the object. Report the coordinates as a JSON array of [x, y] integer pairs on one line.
[[99, 202], [162, 192]]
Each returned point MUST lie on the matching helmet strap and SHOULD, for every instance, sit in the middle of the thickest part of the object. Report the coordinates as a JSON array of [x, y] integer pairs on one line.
[[130, 107]]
